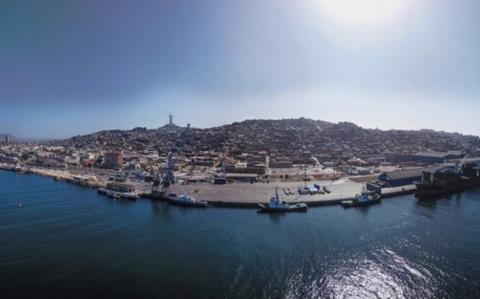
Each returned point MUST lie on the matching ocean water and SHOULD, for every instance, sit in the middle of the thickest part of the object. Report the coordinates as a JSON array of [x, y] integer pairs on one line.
[[69, 242]]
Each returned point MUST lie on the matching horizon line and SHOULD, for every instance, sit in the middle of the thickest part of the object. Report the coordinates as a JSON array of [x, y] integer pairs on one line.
[[229, 123]]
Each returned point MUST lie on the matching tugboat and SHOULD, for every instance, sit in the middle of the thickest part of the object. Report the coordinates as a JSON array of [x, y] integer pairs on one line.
[[186, 201], [444, 181], [366, 198], [276, 205]]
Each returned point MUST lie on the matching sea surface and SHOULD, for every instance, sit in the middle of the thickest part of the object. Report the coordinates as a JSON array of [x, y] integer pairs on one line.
[[66, 241]]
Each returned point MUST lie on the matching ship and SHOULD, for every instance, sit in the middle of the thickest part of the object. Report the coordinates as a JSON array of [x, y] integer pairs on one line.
[[21, 169], [186, 201], [119, 190], [116, 194], [276, 205], [448, 180], [366, 198]]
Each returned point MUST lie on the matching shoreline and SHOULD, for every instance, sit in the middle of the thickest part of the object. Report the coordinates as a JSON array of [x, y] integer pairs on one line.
[[238, 195]]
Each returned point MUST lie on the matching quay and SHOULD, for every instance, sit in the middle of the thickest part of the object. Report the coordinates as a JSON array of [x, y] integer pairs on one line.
[[241, 195], [250, 195]]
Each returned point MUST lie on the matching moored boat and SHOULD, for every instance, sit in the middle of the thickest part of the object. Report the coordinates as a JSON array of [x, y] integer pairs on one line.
[[366, 198], [117, 194], [283, 208], [21, 169], [276, 205], [448, 180], [186, 201]]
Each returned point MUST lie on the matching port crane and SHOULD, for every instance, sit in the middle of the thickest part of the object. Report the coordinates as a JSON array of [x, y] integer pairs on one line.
[[168, 179], [464, 160], [164, 181]]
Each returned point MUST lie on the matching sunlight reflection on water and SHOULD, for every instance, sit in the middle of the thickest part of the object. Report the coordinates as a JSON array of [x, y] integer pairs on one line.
[[384, 274]]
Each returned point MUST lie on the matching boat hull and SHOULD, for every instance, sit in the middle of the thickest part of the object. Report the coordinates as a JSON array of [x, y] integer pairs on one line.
[[354, 203], [115, 194], [291, 208], [433, 191], [181, 203]]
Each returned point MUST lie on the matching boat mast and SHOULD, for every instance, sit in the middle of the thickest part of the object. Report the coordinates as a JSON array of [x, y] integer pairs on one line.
[[304, 171]]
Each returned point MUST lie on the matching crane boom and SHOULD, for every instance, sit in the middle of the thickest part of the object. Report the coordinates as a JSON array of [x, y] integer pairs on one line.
[[462, 163]]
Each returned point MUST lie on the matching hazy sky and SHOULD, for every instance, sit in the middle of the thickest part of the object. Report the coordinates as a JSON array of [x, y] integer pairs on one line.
[[72, 67]]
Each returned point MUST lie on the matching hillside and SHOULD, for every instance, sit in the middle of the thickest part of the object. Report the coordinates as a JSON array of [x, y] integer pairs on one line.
[[286, 135]]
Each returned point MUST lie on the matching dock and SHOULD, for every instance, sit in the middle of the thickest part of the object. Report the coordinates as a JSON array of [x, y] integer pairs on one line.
[[250, 195], [242, 195]]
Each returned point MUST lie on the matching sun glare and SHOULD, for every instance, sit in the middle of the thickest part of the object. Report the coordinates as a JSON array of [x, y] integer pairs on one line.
[[362, 11]]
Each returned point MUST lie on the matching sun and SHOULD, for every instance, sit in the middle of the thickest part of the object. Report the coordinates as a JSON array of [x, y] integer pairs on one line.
[[362, 11]]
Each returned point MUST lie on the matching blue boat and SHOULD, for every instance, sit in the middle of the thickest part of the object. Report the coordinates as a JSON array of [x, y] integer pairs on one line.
[[366, 198]]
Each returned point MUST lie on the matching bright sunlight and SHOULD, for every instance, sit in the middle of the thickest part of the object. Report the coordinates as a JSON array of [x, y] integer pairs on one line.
[[363, 11]]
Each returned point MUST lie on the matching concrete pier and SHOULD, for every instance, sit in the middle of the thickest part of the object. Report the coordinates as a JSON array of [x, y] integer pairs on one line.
[[245, 194]]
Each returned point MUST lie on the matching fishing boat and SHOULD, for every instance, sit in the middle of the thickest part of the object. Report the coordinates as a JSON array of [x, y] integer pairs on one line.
[[276, 205], [186, 201], [366, 198]]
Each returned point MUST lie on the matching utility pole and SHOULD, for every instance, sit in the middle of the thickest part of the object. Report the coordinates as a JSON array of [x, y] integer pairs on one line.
[[305, 170]]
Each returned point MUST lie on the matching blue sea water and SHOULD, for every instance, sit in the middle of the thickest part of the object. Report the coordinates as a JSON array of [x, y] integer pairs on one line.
[[66, 241]]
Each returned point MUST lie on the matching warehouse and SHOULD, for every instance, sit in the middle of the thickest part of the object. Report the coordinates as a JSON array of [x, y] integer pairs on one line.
[[219, 180], [437, 157], [401, 177], [426, 157], [242, 177]]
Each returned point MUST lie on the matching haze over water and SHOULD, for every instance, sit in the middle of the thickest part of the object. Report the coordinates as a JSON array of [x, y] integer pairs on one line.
[[67, 241]]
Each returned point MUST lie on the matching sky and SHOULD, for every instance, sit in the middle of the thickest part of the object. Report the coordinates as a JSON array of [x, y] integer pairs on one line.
[[71, 67]]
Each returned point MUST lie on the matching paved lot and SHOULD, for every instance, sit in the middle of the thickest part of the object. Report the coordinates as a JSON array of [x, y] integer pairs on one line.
[[259, 192]]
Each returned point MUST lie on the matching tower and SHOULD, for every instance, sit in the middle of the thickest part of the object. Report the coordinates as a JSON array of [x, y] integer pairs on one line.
[[170, 117]]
